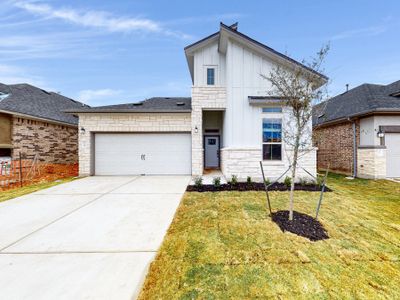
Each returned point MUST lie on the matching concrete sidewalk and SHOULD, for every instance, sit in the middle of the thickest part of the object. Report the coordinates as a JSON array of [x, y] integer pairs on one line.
[[92, 238]]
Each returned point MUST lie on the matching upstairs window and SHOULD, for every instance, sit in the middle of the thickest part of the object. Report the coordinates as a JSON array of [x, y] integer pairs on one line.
[[210, 76], [272, 109], [272, 139]]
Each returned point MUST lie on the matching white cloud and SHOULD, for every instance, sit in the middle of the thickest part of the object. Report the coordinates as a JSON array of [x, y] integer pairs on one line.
[[98, 97], [97, 19], [10, 74], [362, 32]]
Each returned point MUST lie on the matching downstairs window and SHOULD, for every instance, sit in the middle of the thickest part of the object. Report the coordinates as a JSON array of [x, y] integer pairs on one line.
[[272, 139]]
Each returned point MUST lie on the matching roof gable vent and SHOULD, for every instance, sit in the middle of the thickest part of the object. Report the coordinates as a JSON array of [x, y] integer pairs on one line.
[[3, 96]]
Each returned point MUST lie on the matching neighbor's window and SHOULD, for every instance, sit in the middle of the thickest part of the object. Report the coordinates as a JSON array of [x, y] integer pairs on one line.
[[210, 76], [272, 109], [272, 139]]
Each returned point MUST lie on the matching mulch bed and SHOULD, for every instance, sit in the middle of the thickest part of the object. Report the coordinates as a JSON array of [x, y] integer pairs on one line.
[[302, 225], [256, 186]]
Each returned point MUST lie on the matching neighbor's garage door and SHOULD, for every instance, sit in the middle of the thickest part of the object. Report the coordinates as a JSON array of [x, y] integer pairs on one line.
[[142, 153], [392, 141]]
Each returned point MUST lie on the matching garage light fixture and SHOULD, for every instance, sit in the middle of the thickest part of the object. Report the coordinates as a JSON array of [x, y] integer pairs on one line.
[[381, 134], [196, 130], [83, 130]]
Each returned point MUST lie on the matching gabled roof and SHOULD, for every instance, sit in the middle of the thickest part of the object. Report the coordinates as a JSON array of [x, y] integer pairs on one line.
[[152, 105], [362, 100], [29, 100], [232, 32]]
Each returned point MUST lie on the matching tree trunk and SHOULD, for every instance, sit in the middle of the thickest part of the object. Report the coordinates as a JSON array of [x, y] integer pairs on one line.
[[294, 169]]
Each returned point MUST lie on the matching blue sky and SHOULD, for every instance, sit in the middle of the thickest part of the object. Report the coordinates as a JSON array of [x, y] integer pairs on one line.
[[104, 52]]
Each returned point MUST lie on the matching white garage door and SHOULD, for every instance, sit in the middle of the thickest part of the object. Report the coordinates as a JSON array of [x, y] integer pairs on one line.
[[392, 141], [142, 153]]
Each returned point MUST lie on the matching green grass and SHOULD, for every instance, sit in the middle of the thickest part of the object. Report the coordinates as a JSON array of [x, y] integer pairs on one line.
[[224, 246], [16, 192]]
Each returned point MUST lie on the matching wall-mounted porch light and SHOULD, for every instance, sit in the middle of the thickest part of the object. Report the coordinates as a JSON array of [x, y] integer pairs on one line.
[[83, 130], [196, 130], [381, 134]]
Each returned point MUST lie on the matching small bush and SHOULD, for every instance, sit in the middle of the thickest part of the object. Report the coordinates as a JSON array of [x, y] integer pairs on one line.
[[267, 181], [287, 181], [303, 181], [319, 181], [234, 180], [248, 180], [217, 181], [198, 182]]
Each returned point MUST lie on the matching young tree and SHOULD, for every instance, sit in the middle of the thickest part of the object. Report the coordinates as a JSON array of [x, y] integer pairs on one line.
[[299, 89]]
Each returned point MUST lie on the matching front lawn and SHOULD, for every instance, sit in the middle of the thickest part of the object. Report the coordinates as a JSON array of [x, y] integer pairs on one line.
[[27, 189], [223, 246]]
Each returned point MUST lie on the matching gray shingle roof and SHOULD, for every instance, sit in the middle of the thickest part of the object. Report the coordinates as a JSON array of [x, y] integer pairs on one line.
[[152, 105], [364, 99], [29, 100]]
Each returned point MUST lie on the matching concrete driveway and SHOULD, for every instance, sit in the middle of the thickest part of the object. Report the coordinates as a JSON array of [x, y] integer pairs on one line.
[[92, 238]]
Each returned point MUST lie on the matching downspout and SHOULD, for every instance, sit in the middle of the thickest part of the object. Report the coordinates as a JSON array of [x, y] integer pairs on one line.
[[354, 147]]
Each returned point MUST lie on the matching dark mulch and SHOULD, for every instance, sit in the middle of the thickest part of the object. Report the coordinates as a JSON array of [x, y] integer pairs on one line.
[[302, 225], [256, 186]]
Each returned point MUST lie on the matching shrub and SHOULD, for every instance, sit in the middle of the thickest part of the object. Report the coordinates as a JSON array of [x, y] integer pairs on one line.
[[249, 181], [267, 181], [234, 180], [319, 181], [198, 182], [217, 181], [287, 181], [303, 181]]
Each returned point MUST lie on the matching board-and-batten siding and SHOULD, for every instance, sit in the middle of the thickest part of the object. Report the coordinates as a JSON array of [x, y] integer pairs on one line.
[[242, 136], [209, 56]]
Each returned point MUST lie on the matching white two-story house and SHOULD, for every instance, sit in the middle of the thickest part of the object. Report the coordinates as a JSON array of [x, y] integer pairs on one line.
[[230, 123]]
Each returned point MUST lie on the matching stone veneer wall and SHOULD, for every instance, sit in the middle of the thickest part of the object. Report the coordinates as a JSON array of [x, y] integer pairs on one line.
[[54, 143], [203, 98], [335, 147], [124, 122], [246, 162], [371, 162]]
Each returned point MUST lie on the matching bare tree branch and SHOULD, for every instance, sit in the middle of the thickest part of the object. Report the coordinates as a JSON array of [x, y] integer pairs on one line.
[[300, 89]]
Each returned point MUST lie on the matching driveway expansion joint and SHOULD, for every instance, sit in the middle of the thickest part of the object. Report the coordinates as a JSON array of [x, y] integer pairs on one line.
[[65, 215]]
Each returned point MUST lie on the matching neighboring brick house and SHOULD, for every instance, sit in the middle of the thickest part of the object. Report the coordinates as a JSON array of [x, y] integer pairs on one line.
[[358, 132], [230, 123], [32, 121]]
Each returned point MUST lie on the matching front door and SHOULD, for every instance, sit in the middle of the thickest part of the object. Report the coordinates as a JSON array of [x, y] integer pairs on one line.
[[211, 151]]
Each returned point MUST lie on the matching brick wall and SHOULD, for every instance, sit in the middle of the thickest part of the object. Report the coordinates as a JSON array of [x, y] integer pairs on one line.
[[335, 147], [54, 143]]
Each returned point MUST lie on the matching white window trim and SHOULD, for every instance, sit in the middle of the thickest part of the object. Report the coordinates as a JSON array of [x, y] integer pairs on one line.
[[272, 115], [216, 74]]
